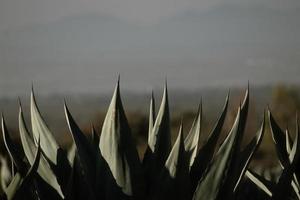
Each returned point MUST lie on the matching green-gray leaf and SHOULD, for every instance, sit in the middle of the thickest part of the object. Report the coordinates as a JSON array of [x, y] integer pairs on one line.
[[44, 169], [211, 183], [117, 147], [41, 130], [192, 139], [12, 150]]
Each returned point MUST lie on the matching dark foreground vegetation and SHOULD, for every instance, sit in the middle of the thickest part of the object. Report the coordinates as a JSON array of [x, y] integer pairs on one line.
[[107, 166]]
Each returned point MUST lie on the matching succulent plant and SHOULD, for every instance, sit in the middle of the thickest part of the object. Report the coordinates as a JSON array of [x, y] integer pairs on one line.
[[108, 167]]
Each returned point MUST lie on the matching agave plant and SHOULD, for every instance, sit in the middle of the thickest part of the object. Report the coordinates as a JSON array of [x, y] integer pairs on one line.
[[107, 167]]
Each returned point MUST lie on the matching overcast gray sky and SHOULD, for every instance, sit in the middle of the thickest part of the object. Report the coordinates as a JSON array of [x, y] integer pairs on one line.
[[81, 45]]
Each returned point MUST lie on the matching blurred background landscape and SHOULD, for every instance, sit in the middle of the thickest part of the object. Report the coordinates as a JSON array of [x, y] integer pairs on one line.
[[88, 110], [74, 50]]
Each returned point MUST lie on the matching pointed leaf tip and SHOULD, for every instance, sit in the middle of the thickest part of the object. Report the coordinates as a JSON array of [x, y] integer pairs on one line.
[[85, 151], [118, 78], [116, 135], [159, 140], [151, 117], [40, 129], [206, 152], [12, 149], [245, 156], [192, 139], [278, 137], [175, 154], [211, 183], [30, 149]]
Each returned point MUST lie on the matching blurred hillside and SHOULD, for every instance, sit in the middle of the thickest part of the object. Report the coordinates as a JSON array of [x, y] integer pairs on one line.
[[283, 101]]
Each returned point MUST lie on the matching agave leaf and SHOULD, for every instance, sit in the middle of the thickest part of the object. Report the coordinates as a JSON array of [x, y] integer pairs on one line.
[[288, 141], [175, 173], [176, 154], [71, 154], [5, 173], [28, 181], [160, 139], [159, 142], [205, 154], [117, 148], [285, 156], [260, 182], [14, 154], [85, 152], [13, 187], [148, 152], [151, 119], [245, 156], [33, 169], [244, 115], [279, 140], [296, 189], [297, 174], [192, 139], [283, 187], [211, 182], [148, 159], [26, 139], [95, 137], [44, 169], [237, 166], [19, 184], [41, 130], [295, 144], [292, 154]]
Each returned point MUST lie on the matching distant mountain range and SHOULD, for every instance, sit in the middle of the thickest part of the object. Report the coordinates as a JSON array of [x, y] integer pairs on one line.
[[86, 108], [222, 47]]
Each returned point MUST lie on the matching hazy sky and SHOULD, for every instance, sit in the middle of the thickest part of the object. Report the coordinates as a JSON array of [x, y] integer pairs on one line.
[[81, 45], [14, 13]]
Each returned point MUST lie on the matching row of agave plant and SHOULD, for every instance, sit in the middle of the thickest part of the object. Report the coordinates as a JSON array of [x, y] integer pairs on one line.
[[108, 167]]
